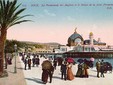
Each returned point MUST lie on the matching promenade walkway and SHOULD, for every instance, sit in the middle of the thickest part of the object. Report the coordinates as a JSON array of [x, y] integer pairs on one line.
[[14, 78], [33, 76]]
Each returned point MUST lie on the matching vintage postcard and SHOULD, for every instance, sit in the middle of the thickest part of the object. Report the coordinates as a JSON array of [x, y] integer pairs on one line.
[[57, 42]]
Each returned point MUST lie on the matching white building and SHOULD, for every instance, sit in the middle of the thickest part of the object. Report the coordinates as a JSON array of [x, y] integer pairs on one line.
[[76, 43]]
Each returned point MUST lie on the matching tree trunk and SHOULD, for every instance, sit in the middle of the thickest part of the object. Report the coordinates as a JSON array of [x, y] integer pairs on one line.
[[2, 44]]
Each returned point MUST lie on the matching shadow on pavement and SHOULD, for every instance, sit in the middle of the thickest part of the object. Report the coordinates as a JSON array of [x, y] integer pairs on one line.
[[92, 76], [56, 77], [35, 80], [18, 62], [20, 68]]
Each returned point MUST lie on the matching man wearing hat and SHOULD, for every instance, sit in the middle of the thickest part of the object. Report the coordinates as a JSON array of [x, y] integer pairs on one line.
[[63, 70], [98, 67]]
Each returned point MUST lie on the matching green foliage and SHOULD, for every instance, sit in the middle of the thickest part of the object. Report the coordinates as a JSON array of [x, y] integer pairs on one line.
[[9, 46], [38, 46]]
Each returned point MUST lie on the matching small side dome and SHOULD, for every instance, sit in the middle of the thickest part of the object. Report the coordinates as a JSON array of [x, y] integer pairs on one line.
[[91, 34]]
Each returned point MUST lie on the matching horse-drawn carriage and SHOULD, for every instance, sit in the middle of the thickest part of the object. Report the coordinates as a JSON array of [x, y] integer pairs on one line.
[[107, 67]]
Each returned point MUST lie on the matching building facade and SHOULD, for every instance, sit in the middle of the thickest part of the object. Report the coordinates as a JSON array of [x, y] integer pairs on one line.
[[76, 43]]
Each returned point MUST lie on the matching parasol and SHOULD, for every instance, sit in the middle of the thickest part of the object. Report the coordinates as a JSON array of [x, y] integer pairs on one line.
[[92, 59], [46, 64], [70, 60], [80, 60]]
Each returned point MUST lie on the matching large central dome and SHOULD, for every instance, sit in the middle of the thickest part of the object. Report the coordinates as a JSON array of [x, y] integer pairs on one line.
[[75, 39]]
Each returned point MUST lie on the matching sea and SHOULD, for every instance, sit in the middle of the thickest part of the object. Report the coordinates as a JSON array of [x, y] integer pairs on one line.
[[110, 60]]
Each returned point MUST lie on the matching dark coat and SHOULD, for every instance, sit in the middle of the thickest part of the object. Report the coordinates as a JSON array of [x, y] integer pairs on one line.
[[45, 75], [29, 61], [63, 68]]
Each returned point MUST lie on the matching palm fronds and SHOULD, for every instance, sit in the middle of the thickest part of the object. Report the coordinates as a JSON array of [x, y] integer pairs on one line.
[[10, 14]]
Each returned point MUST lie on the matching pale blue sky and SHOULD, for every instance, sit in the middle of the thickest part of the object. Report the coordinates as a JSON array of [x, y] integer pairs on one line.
[[56, 20]]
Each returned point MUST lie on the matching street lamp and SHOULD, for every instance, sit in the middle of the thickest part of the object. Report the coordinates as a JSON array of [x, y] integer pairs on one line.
[[15, 48]]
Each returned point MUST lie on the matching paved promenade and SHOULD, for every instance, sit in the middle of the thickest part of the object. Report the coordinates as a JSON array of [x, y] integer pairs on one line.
[[33, 77], [14, 78]]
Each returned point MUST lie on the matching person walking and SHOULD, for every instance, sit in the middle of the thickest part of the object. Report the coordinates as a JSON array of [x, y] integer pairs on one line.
[[98, 67], [47, 71], [55, 63], [23, 57], [102, 68], [79, 71], [63, 70], [29, 63], [33, 61], [70, 75], [86, 67], [45, 74], [51, 71], [25, 63], [37, 61]]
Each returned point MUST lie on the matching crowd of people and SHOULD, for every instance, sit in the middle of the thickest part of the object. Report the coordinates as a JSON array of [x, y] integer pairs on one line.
[[66, 70], [65, 67], [28, 61], [82, 71]]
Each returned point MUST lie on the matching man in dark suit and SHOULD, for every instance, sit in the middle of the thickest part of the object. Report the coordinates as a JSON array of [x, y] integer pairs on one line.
[[51, 71], [37, 61], [55, 63], [98, 67], [25, 62], [33, 61], [63, 70], [102, 68], [29, 63]]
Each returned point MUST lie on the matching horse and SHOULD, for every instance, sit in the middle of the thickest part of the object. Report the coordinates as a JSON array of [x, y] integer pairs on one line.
[[107, 67]]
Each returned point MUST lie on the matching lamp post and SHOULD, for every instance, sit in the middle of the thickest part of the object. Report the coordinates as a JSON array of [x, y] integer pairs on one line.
[[15, 48]]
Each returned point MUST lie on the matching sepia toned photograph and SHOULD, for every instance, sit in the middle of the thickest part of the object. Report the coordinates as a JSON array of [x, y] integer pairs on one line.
[[56, 42]]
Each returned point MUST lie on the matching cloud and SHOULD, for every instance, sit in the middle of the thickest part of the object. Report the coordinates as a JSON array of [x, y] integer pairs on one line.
[[49, 13], [70, 18]]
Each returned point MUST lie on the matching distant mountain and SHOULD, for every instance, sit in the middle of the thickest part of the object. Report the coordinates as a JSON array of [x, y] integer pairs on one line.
[[30, 42], [54, 43], [49, 43]]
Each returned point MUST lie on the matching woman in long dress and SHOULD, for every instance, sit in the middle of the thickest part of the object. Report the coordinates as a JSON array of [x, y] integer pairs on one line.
[[82, 70], [45, 75], [70, 75], [79, 71], [86, 70]]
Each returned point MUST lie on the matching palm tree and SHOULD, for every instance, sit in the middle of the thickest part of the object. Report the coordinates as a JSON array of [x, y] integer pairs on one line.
[[9, 16]]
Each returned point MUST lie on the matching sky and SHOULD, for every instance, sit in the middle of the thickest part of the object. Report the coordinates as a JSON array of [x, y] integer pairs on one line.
[[56, 20]]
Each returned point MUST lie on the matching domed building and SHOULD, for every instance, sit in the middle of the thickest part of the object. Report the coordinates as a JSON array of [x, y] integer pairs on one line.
[[75, 39], [77, 47], [84, 48]]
